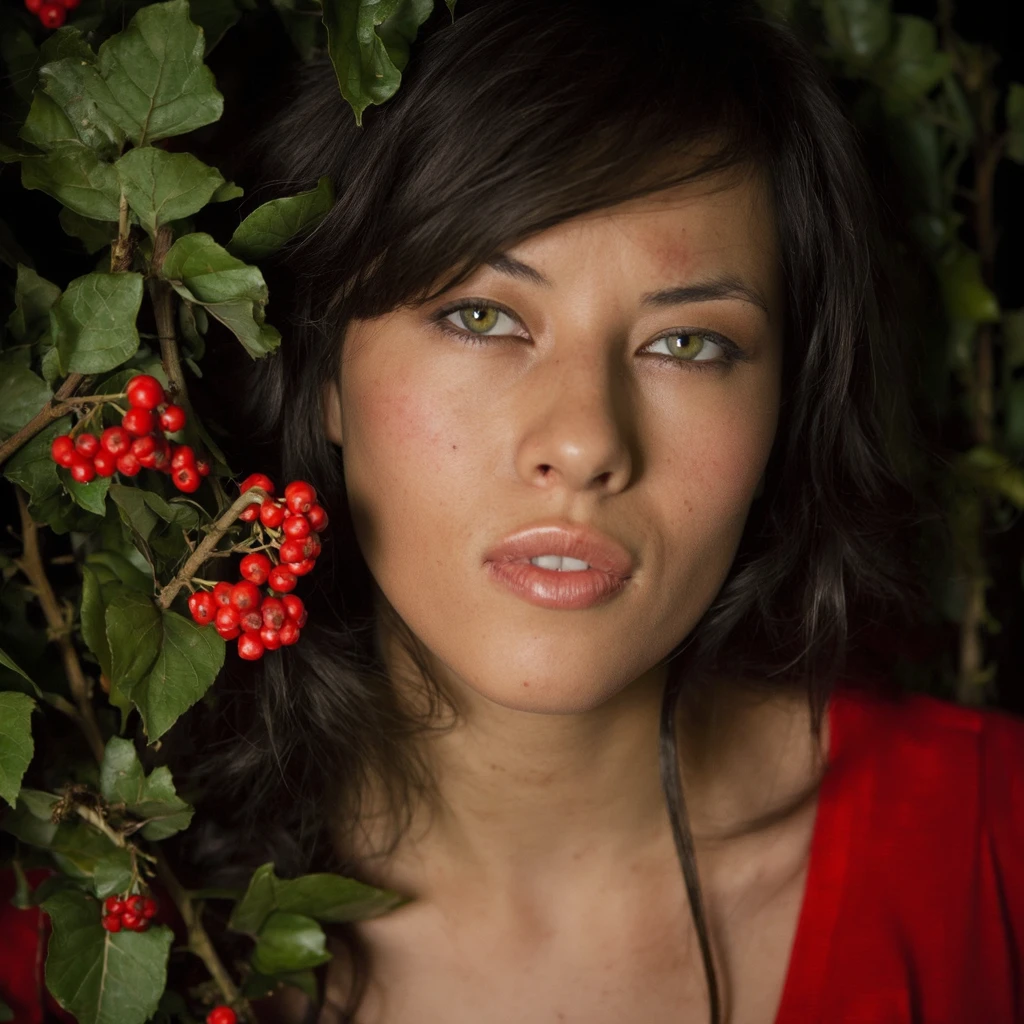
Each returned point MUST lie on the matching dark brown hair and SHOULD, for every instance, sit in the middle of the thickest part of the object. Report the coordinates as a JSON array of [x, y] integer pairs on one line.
[[517, 116]]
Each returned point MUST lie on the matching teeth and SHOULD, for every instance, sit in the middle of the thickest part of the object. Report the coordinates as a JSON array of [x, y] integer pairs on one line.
[[559, 563]]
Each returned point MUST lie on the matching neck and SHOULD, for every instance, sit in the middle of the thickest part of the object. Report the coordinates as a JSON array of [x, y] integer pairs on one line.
[[520, 797]]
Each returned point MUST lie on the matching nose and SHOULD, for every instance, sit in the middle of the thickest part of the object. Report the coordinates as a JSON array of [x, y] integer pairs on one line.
[[577, 434]]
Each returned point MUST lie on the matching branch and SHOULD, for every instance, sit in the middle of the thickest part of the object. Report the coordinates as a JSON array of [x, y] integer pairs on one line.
[[161, 294], [199, 941], [31, 564], [205, 550], [44, 417]]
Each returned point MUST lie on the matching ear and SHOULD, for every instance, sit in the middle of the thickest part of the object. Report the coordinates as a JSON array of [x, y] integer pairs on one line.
[[332, 413]]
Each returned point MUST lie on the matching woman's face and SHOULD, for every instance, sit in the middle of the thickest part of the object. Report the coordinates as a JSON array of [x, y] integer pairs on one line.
[[566, 395]]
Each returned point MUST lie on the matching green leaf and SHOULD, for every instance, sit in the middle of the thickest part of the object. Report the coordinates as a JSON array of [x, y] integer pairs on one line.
[[109, 566], [1015, 122], [99, 977], [229, 190], [162, 186], [22, 395], [6, 1013], [112, 874], [32, 468], [91, 496], [74, 174], [144, 508], [289, 942], [81, 93], [967, 297], [93, 618], [46, 124], [93, 234], [367, 64], [915, 64], [8, 662], [123, 780], [155, 70], [210, 272], [33, 297], [269, 226], [133, 635], [324, 896], [215, 17], [234, 292], [857, 29], [15, 742], [67, 41], [94, 322], [187, 663]]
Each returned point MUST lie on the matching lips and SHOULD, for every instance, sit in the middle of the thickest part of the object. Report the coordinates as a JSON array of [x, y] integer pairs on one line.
[[573, 540]]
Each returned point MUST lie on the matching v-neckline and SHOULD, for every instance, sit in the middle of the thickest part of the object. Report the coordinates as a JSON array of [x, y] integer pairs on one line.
[[828, 861]]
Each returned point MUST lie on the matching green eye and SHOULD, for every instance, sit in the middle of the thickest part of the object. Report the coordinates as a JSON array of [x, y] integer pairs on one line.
[[686, 348], [479, 319]]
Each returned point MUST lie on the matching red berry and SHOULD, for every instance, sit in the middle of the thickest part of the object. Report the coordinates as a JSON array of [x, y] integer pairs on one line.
[[172, 419], [149, 908], [249, 513], [62, 450], [274, 612], [295, 550], [270, 637], [202, 606], [82, 469], [70, 4], [33, 6], [115, 440], [87, 445], [135, 903], [315, 547], [302, 568], [52, 15], [255, 567], [296, 527], [299, 496], [317, 518], [128, 464], [112, 905], [250, 646], [272, 514], [289, 634], [227, 632], [183, 456], [227, 617], [222, 593], [129, 919], [186, 479], [145, 392], [295, 609], [104, 463], [221, 1015], [162, 459], [245, 595], [281, 579], [203, 467], [138, 422], [143, 447], [251, 621], [112, 922], [260, 480]]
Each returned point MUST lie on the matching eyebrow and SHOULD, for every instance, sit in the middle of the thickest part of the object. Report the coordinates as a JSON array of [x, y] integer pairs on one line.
[[726, 287]]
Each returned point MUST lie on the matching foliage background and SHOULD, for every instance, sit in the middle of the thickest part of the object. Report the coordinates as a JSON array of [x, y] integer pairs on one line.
[[934, 91]]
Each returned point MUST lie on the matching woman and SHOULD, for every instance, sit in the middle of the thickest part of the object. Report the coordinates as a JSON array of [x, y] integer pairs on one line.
[[595, 362]]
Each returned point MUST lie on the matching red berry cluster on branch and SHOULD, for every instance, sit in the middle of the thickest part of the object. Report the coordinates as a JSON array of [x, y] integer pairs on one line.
[[287, 534], [50, 13], [222, 1015], [133, 913], [139, 443]]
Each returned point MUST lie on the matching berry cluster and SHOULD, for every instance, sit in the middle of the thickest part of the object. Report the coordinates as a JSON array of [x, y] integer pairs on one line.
[[51, 14], [222, 1015], [289, 530], [133, 913], [139, 443]]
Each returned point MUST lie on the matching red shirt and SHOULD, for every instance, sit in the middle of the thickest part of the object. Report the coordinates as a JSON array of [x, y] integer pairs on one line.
[[914, 906]]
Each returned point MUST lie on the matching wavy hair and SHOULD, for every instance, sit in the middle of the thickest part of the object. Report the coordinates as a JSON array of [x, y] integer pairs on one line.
[[515, 117]]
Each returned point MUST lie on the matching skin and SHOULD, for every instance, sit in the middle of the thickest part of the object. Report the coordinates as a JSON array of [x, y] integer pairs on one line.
[[548, 787]]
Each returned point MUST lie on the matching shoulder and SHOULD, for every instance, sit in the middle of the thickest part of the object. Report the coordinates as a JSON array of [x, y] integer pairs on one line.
[[933, 756]]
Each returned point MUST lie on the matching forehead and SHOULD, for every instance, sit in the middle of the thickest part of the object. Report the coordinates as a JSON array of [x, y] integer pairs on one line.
[[722, 220]]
